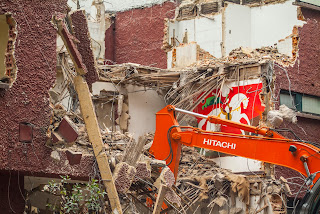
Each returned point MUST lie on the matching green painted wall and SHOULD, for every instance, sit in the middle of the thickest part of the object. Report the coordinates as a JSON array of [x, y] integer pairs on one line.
[[4, 29], [314, 2]]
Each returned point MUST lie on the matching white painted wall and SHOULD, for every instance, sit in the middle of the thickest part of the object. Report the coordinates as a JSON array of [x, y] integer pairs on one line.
[[180, 28], [285, 46], [273, 22], [238, 27], [143, 106], [245, 26], [107, 86], [206, 32], [186, 55], [209, 34], [116, 5], [238, 164]]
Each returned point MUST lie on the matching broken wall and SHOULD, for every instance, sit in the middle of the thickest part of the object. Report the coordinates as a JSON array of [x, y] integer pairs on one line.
[[303, 77], [139, 34], [25, 108], [81, 32], [236, 25], [28, 99]]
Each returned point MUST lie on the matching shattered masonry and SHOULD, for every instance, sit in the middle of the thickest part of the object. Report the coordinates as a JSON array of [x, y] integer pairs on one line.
[[43, 130]]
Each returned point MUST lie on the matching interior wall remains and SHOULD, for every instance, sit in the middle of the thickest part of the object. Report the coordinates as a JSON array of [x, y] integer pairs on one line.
[[238, 25]]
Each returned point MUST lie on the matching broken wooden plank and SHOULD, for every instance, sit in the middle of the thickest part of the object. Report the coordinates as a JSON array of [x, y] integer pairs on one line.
[[160, 199], [134, 151], [98, 146]]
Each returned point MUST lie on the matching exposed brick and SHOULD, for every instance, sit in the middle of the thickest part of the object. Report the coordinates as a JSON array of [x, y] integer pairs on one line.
[[139, 35], [80, 28], [68, 130]]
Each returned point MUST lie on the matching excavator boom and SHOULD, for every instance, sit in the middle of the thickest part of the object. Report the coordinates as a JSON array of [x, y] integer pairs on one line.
[[269, 146]]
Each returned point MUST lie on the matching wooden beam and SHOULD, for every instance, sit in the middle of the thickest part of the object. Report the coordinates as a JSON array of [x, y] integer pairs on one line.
[[89, 115], [94, 135], [160, 199]]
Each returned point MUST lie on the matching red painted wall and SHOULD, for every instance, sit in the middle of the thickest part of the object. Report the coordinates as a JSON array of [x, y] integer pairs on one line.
[[139, 35], [304, 77]]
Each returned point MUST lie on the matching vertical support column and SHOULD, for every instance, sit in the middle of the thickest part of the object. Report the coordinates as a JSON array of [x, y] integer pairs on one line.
[[94, 135]]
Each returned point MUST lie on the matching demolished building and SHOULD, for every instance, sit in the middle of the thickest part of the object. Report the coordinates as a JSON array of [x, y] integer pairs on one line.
[[238, 60]]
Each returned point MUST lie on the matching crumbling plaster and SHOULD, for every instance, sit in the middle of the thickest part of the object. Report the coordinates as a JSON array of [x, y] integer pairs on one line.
[[239, 25]]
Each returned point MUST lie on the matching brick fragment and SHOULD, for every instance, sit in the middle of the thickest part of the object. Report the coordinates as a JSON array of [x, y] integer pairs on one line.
[[68, 130], [73, 157]]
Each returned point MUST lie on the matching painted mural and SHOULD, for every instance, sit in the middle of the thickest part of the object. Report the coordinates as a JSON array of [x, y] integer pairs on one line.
[[236, 101]]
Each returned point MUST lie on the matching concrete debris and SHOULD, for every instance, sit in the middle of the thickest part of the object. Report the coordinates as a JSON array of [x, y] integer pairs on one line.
[[201, 180], [123, 176], [68, 130], [135, 172], [276, 117], [136, 74], [240, 185], [143, 170], [55, 155], [220, 201], [288, 114]]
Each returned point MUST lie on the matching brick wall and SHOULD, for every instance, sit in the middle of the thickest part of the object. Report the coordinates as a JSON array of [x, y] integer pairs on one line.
[[304, 77], [138, 35]]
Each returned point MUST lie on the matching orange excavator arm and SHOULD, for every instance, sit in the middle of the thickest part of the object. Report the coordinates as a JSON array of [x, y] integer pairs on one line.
[[269, 146]]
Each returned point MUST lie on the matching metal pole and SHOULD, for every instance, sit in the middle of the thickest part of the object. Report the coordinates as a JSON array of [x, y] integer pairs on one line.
[[191, 113]]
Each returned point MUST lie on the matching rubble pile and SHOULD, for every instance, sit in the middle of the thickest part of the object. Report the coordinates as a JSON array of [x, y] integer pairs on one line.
[[137, 175], [130, 73], [244, 56], [200, 180], [185, 88]]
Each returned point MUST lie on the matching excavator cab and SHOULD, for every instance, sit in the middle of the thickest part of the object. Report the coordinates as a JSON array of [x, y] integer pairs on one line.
[[311, 201]]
